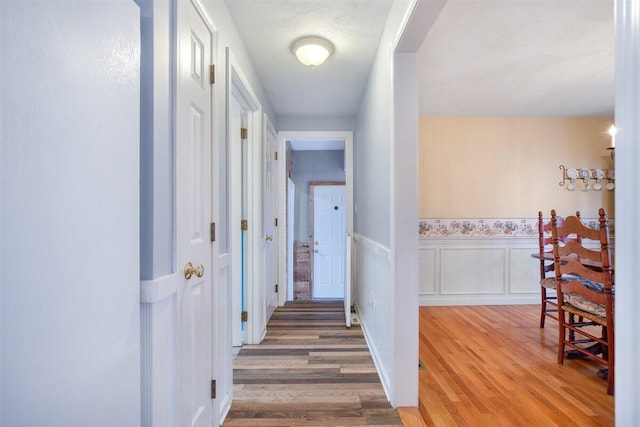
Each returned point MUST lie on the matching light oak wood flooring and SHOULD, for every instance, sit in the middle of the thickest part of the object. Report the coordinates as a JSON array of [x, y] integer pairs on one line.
[[493, 366], [310, 370]]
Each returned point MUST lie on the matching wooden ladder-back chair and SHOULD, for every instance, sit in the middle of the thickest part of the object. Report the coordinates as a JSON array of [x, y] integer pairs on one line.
[[584, 285], [548, 303]]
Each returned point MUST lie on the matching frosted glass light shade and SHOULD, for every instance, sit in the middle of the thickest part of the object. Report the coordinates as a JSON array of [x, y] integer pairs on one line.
[[312, 51]]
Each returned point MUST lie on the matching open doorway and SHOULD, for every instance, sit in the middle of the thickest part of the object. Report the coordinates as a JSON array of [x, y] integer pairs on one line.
[[313, 161]]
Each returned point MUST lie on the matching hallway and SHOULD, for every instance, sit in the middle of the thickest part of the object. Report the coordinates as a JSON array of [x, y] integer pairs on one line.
[[310, 370]]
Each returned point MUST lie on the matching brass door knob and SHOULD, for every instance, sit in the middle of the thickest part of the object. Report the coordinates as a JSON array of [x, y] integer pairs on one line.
[[199, 270], [269, 238], [189, 269]]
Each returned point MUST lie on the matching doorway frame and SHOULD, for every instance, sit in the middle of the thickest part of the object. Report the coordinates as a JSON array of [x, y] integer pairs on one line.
[[238, 84], [311, 136]]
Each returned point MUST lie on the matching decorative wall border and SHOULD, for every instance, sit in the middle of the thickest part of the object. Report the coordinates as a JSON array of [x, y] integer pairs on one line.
[[489, 227]]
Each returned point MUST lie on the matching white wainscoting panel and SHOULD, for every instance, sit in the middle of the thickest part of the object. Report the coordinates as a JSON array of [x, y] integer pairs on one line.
[[159, 352], [478, 271], [428, 260], [524, 271], [374, 296], [472, 270]]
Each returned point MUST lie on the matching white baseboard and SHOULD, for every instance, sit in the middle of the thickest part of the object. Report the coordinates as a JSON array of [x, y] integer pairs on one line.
[[444, 300], [382, 374]]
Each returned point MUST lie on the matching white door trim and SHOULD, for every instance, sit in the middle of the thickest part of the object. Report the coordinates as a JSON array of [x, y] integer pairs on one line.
[[311, 136], [237, 85], [268, 225]]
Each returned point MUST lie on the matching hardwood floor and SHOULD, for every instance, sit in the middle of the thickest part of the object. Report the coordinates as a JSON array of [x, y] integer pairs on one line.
[[310, 370], [493, 366]]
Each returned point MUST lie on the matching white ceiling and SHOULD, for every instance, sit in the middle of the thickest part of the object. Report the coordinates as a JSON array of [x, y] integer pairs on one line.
[[519, 58], [269, 28], [482, 57]]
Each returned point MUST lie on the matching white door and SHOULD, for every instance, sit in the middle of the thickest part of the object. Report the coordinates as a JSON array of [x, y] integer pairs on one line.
[[328, 241], [271, 237], [193, 216]]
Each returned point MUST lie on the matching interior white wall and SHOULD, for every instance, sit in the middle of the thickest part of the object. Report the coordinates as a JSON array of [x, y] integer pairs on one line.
[[627, 401], [315, 123], [69, 214], [308, 166], [404, 239], [388, 306]]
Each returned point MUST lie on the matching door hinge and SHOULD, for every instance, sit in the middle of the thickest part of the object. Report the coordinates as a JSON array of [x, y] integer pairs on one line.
[[244, 133], [244, 225], [276, 221], [244, 316], [213, 389], [275, 154], [212, 231], [276, 288], [212, 74]]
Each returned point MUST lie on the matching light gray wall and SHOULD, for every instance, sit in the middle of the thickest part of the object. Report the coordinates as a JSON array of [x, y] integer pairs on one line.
[[312, 166], [315, 123], [372, 148], [156, 140]]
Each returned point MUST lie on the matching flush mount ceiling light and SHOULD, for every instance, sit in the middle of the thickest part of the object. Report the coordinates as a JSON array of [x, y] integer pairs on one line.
[[312, 51]]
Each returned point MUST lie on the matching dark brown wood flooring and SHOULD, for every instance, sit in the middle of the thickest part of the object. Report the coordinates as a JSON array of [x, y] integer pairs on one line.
[[310, 370]]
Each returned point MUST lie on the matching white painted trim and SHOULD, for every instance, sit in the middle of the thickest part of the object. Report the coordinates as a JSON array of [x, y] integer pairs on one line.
[[152, 291], [254, 292], [403, 237], [475, 299], [627, 203], [375, 247], [514, 288], [204, 15]]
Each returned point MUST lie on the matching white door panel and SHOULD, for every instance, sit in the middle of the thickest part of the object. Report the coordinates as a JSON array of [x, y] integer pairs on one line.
[[193, 214], [329, 241]]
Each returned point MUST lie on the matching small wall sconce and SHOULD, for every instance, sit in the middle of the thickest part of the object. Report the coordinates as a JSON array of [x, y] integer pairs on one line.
[[586, 175], [613, 131], [312, 51]]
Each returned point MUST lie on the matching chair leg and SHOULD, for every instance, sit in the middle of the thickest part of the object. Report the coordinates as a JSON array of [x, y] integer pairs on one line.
[[561, 335], [608, 355], [543, 306]]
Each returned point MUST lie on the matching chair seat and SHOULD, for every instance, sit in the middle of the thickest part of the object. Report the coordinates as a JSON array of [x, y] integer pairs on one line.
[[548, 282], [582, 304], [568, 308], [578, 301]]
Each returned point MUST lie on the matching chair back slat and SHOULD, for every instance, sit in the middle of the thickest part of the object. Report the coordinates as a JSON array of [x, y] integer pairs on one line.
[[584, 286]]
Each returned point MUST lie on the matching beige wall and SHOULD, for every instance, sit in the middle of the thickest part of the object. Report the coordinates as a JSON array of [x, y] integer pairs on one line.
[[501, 167]]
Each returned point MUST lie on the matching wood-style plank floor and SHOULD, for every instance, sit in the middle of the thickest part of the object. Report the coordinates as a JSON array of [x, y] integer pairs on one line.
[[310, 370], [493, 366]]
